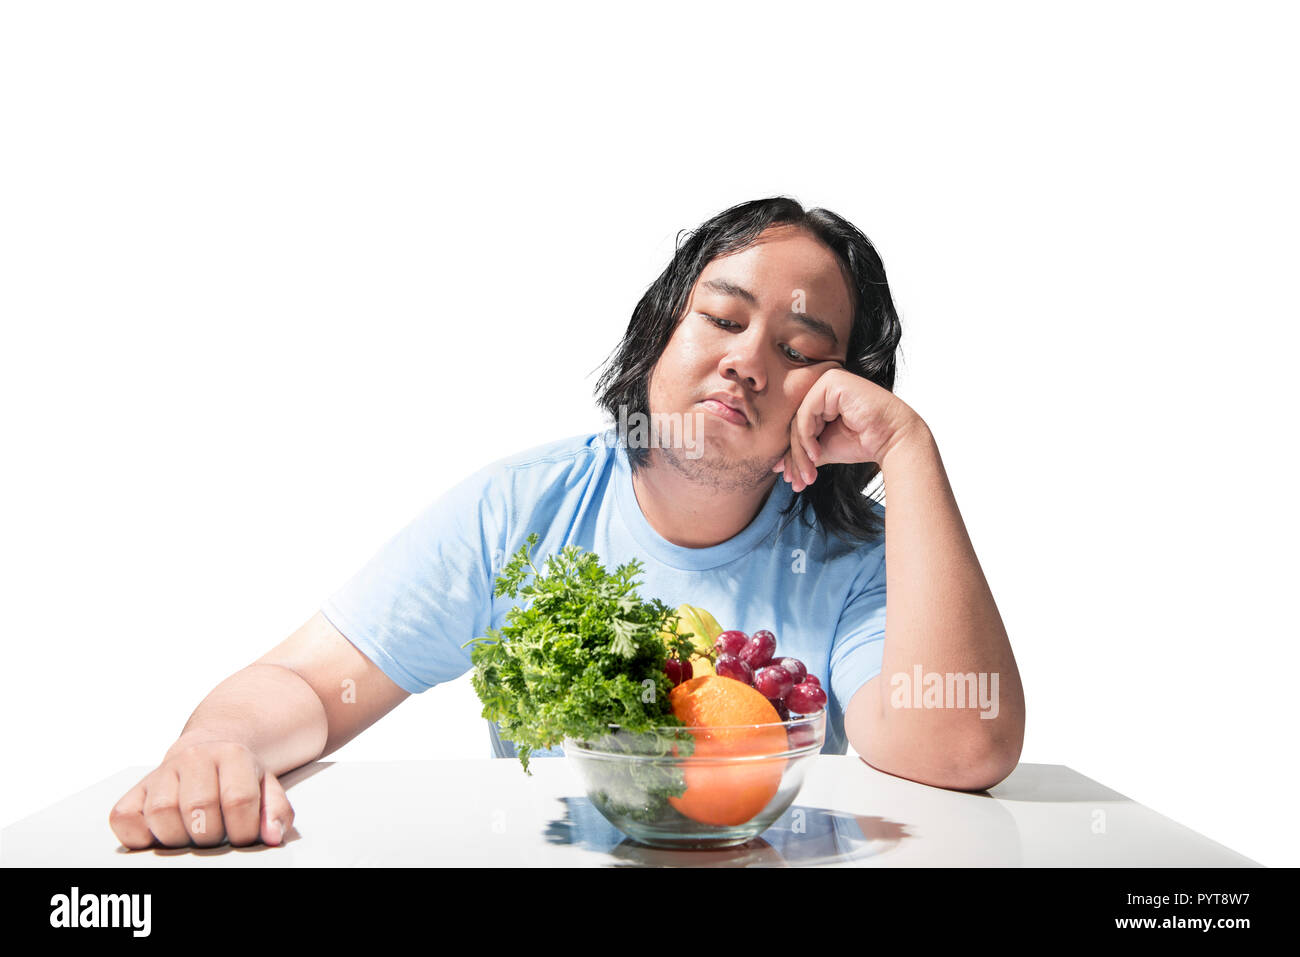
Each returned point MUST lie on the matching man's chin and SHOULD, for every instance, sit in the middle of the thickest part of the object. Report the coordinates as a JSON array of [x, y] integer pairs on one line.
[[719, 465]]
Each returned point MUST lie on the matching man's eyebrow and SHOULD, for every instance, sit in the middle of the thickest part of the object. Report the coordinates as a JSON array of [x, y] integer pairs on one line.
[[818, 326], [728, 288]]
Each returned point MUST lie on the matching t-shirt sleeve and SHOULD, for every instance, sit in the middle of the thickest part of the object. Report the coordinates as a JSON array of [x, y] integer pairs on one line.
[[857, 652], [428, 590]]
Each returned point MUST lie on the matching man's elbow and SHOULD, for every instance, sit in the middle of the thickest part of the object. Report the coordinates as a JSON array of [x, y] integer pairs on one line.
[[985, 772], [976, 767]]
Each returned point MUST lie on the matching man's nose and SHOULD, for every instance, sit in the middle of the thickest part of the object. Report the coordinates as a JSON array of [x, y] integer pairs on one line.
[[743, 362]]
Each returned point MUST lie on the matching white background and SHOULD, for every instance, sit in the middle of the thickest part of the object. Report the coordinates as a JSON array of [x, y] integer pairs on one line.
[[275, 275]]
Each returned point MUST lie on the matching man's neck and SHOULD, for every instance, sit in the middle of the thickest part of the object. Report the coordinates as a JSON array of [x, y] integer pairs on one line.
[[692, 515]]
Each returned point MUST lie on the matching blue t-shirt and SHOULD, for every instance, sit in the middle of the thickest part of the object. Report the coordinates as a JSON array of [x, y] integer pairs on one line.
[[429, 589]]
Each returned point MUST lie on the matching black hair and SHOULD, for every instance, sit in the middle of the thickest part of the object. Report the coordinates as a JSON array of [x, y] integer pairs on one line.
[[836, 498]]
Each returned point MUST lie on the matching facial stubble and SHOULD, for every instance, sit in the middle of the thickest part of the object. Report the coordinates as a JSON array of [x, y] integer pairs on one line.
[[716, 470]]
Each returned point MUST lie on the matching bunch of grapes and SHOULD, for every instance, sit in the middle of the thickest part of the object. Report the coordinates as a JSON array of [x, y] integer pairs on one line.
[[783, 681]]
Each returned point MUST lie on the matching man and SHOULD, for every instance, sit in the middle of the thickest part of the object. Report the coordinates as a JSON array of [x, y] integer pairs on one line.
[[753, 405]]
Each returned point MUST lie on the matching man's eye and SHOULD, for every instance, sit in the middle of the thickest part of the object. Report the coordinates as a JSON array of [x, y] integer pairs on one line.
[[790, 354]]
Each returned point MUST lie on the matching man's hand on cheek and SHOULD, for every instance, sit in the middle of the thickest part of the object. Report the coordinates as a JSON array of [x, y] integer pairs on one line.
[[844, 419]]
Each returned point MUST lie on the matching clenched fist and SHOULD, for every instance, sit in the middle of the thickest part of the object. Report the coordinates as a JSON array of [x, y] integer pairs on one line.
[[204, 794]]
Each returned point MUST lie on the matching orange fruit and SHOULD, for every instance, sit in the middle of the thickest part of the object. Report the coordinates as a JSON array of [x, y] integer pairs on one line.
[[722, 793]]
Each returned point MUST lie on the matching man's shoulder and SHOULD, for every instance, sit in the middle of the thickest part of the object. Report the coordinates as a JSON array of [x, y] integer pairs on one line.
[[550, 465], [535, 473], [581, 450], [583, 446]]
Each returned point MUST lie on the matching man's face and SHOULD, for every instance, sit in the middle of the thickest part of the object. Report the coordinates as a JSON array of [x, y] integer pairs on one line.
[[759, 327]]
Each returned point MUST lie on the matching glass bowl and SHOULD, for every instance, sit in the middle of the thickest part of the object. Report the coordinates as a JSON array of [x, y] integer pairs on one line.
[[698, 787]]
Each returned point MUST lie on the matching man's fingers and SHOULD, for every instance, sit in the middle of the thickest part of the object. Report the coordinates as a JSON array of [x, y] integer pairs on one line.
[[204, 795], [809, 424], [814, 449], [277, 814], [200, 802], [127, 819], [803, 443], [241, 799], [809, 420], [161, 811], [798, 463]]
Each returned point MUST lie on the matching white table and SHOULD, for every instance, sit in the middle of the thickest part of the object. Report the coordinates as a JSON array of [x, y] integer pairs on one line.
[[487, 813]]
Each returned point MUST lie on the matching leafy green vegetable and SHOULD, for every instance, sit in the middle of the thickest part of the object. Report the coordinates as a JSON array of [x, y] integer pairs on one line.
[[586, 653]]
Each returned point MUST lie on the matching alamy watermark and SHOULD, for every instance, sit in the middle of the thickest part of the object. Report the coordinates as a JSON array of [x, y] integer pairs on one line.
[[662, 430], [948, 690], [76, 909]]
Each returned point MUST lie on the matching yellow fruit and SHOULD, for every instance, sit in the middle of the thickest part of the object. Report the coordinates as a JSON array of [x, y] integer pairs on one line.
[[711, 625], [704, 629], [701, 666]]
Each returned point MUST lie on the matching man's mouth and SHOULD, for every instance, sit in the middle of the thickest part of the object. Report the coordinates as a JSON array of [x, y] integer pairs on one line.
[[723, 410]]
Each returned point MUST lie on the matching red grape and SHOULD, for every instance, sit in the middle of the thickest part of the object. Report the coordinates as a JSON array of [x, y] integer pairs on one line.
[[806, 698], [794, 666], [759, 650], [729, 666], [678, 670], [782, 710], [773, 681], [813, 678], [730, 642]]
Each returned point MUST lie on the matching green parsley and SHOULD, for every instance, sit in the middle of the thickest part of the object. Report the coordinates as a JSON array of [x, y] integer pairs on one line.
[[584, 654]]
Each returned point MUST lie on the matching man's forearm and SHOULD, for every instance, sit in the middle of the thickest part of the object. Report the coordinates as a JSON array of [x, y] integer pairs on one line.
[[941, 619], [268, 709]]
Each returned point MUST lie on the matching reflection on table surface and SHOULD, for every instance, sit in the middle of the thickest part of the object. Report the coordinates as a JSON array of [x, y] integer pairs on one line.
[[803, 836]]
